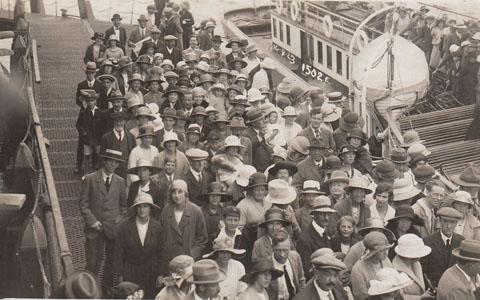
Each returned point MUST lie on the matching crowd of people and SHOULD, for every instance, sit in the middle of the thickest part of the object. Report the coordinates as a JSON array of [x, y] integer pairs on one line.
[[204, 179]]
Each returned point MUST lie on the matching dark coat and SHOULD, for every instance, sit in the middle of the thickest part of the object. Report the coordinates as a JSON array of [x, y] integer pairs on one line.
[[363, 162], [123, 37], [137, 263], [89, 53], [310, 293], [187, 21], [308, 242], [212, 221], [120, 83], [440, 259], [97, 86], [161, 180], [307, 170], [96, 204], [189, 237], [325, 135], [110, 141], [90, 128], [159, 196], [175, 56], [102, 100], [262, 157], [204, 40], [344, 208], [340, 137], [195, 188], [230, 56]]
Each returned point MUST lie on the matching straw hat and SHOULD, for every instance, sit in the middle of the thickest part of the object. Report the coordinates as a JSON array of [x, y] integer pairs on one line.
[[206, 271], [335, 97], [399, 155], [133, 101], [232, 141], [410, 137], [404, 189], [274, 214], [338, 176], [113, 37], [179, 268], [146, 130], [255, 95], [135, 77], [167, 62], [143, 198], [106, 76], [90, 67], [280, 152], [469, 250], [218, 86], [283, 165], [280, 192], [224, 244], [469, 177], [411, 246], [244, 173], [330, 112], [359, 183], [113, 154], [300, 144], [196, 154], [311, 187], [375, 242], [463, 197], [143, 163], [168, 137], [203, 66], [388, 280], [418, 149], [322, 204], [144, 111], [289, 111], [260, 266]]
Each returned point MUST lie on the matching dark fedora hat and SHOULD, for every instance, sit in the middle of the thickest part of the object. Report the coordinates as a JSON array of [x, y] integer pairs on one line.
[[283, 165], [206, 271], [274, 214], [116, 16], [470, 176], [216, 188], [254, 115], [359, 134], [82, 285], [406, 211], [399, 155], [376, 224], [469, 250], [113, 155], [260, 266], [97, 35], [257, 179]]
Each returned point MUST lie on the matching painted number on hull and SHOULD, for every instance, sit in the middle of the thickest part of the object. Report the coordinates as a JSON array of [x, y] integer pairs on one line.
[[291, 58], [314, 73]]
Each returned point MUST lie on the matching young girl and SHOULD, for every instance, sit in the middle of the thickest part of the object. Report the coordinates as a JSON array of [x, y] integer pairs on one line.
[[157, 59], [217, 96], [199, 97], [345, 237], [290, 128]]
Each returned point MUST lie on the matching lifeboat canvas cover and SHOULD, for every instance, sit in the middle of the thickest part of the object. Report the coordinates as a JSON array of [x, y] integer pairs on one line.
[[411, 75]]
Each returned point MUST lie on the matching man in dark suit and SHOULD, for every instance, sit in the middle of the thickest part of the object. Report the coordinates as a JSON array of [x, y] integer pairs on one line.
[[95, 50], [171, 51], [316, 131], [90, 83], [102, 205], [187, 21], [442, 242], [262, 151], [120, 32], [197, 178], [289, 261], [315, 236], [313, 167], [326, 281], [138, 34], [172, 26], [165, 178], [119, 139], [125, 69]]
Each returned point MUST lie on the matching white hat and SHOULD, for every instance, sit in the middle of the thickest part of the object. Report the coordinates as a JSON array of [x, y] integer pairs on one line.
[[418, 149], [453, 48], [232, 141], [462, 196], [330, 112], [280, 192], [255, 95], [322, 204], [388, 280], [289, 111], [267, 63], [279, 152], [170, 136], [476, 36], [167, 62], [465, 43], [244, 173], [404, 189], [411, 246]]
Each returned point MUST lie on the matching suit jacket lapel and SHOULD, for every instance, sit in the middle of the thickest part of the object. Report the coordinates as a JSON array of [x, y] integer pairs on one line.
[[101, 183], [185, 217], [173, 222]]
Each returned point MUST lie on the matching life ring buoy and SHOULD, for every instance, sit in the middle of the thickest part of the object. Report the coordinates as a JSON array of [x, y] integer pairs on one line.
[[294, 10], [327, 25], [279, 6], [362, 40]]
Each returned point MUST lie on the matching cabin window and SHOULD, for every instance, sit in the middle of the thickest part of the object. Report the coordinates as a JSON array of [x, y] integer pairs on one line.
[[311, 49], [287, 28], [320, 52], [347, 65], [329, 57], [281, 30], [275, 28], [339, 62]]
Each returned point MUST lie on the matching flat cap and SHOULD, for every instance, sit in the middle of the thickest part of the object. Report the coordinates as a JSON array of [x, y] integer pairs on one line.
[[449, 213], [196, 154], [231, 211]]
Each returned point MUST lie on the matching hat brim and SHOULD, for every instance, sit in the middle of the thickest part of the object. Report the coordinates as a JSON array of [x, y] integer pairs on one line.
[[392, 289], [418, 253], [163, 143], [199, 114], [456, 179], [331, 180], [291, 169], [112, 158], [367, 190], [389, 234], [225, 197], [153, 170], [334, 116], [287, 199], [242, 182], [370, 253], [249, 187], [262, 116], [145, 134], [131, 209], [224, 147], [415, 219], [285, 223], [248, 276], [456, 253], [312, 192], [323, 209], [407, 195], [68, 286], [233, 251], [220, 278]]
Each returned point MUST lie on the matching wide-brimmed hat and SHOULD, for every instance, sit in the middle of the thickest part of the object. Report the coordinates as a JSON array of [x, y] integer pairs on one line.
[[240, 77], [330, 112], [146, 130], [199, 111], [143, 59], [171, 90], [170, 136], [284, 165], [81, 284], [411, 246], [232, 141], [359, 134], [106, 76], [89, 94], [124, 61], [116, 17], [224, 244], [463, 197], [388, 280], [235, 60], [113, 37], [144, 111], [311, 187], [325, 259], [143, 198], [375, 242], [144, 163], [410, 137], [260, 266], [300, 144], [237, 122], [113, 154], [134, 101], [405, 211], [399, 155], [233, 40], [218, 86], [449, 213], [97, 35], [135, 77], [469, 250], [274, 214], [203, 66], [90, 67], [280, 152], [206, 271], [289, 111], [280, 192], [244, 173], [376, 224], [254, 115], [404, 189], [386, 169], [469, 177], [358, 183], [193, 128], [216, 188], [205, 78], [256, 179], [255, 95], [338, 176], [323, 204], [423, 174]]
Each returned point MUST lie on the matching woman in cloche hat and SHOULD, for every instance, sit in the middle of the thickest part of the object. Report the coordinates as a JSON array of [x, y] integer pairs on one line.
[[140, 264], [259, 279], [223, 253], [144, 169], [144, 151], [228, 162], [113, 51]]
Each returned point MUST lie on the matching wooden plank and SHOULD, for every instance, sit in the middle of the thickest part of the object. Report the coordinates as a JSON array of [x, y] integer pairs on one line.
[[12, 202], [36, 68]]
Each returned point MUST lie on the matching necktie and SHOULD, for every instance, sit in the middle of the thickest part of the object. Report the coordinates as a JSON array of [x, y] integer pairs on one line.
[[119, 135], [200, 177], [330, 296], [290, 287], [90, 84], [447, 243], [143, 35], [107, 183], [317, 133]]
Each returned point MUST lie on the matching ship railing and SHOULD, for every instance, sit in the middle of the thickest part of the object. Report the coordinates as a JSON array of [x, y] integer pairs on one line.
[[57, 263], [312, 17]]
